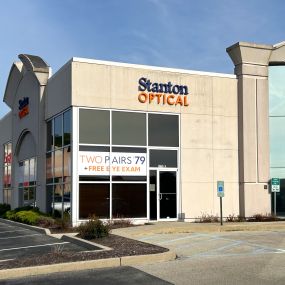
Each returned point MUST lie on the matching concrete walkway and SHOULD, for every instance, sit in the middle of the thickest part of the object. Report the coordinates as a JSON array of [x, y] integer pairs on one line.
[[186, 227]]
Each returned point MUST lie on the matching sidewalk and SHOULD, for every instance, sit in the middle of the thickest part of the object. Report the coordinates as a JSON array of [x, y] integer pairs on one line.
[[186, 227]]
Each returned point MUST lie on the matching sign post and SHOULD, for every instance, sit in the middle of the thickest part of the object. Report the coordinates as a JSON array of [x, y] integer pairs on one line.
[[275, 187], [221, 194]]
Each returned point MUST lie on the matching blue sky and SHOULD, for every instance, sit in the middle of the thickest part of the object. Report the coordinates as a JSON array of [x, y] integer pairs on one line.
[[187, 34]]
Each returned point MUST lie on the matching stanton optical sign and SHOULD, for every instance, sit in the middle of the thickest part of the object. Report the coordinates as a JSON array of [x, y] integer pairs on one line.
[[23, 107], [162, 93]]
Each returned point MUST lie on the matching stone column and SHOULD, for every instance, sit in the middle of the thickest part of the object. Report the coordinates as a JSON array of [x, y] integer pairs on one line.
[[251, 67]]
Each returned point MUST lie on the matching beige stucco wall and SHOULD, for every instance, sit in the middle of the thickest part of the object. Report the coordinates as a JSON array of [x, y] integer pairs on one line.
[[209, 125], [209, 146], [33, 128], [58, 92]]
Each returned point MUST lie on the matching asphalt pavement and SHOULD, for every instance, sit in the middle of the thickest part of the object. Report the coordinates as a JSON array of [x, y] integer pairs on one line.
[[107, 276], [18, 242]]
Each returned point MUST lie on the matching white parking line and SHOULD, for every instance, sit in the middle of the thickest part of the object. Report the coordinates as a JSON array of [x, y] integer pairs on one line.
[[32, 246], [6, 226], [182, 238], [21, 236], [13, 231]]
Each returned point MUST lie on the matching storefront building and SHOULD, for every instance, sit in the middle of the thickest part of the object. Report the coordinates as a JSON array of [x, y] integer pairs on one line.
[[148, 143]]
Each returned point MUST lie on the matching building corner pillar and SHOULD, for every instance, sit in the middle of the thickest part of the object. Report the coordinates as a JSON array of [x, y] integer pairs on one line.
[[251, 67]]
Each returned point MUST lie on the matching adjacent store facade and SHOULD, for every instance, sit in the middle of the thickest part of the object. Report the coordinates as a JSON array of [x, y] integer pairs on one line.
[[149, 143]]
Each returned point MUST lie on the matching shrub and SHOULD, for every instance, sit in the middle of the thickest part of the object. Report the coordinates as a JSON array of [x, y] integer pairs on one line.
[[45, 222], [27, 217], [235, 219], [4, 208], [94, 228], [9, 215], [63, 222], [120, 223], [206, 218], [263, 218]]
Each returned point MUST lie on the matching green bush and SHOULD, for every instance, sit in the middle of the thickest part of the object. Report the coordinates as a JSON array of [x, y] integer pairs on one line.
[[4, 208], [94, 228], [27, 217], [9, 215], [30, 217]]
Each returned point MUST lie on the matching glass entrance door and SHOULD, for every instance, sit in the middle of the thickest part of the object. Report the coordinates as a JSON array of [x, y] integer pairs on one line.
[[163, 194], [167, 195]]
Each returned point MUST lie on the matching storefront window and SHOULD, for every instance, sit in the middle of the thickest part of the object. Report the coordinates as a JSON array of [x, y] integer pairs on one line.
[[66, 127], [58, 165], [50, 135], [7, 168], [94, 199], [163, 158], [49, 167], [277, 132], [58, 199], [128, 128], [58, 132], [66, 164], [27, 181], [129, 200], [94, 126], [118, 168], [163, 130]]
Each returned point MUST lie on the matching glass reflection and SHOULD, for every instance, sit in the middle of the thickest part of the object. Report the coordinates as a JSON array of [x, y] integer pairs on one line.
[[58, 166], [66, 164], [49, 167], [49, 135], [277, 132], [66, 127], [276, 91], [58, 199], [58, 131], [277, 138]]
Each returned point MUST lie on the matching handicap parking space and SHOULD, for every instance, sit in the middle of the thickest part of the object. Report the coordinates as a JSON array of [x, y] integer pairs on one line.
[[198, 245], [19, 242]]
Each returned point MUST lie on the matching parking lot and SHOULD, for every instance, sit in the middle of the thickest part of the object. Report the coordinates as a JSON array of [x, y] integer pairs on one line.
[[17, 242]]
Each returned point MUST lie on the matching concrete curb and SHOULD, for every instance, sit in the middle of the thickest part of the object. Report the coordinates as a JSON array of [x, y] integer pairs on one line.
[[14, 273], [147, 259], [25, 226], [84, 243]]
